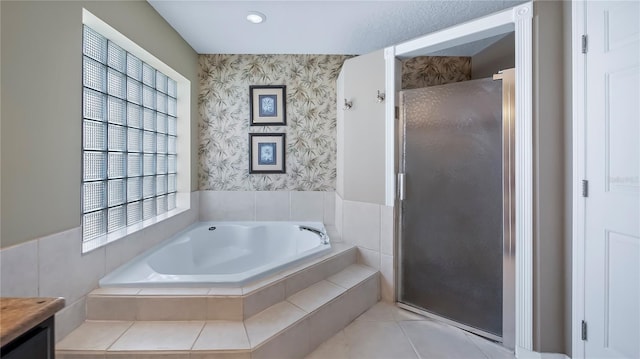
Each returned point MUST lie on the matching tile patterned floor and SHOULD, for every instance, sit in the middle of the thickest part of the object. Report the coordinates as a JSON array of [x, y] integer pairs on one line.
[[388, 332]]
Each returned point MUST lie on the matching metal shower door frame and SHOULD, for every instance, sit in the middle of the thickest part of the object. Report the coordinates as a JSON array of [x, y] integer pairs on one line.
[[509, 231]]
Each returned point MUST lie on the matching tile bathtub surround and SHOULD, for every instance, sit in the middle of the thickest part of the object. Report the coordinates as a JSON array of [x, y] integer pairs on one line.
[[172, 308], [227, 206], [369, 257], [54, 265], [219, 355], [290, 328], [330, 208], [164, 304], [387, 226], [276, 318], [222, 335], [225, 308], [361, 224], [319, 308], [108, 307], [217, 303], [264, 298], [339, 213], [19, 271], [371, 228], [94, 336], [64, 271], [316, 295], [268, 206], [387, 275], [272, 206], [71, 317], [292, 343], [387, 253], [307, 206], [158, 336]]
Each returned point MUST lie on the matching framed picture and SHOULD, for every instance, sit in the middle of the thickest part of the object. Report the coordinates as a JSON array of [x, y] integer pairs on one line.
[[268, 105], [267, 153]]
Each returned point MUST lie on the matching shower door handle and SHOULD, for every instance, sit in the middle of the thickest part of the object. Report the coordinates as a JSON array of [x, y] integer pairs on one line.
[[401, 187]]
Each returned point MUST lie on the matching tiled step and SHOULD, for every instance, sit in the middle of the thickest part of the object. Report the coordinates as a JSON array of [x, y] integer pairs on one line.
[[290, 328], [148, 304]]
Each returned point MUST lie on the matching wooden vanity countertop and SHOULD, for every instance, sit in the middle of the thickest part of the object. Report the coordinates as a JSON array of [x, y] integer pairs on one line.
[[18, 315]]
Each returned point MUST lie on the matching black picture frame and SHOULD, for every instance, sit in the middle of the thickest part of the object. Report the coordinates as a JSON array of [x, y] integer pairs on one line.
[[267, 153], [268, 105]]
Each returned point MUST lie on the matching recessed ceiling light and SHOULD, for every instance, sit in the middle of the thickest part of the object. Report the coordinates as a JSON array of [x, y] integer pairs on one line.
[[255, 17]]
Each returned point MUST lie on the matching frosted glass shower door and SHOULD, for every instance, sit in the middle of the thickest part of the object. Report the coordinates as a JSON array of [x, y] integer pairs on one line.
[[451, 240]]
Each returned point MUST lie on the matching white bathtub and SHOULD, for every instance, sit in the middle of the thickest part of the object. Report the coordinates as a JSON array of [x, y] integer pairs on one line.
[[210, 254]]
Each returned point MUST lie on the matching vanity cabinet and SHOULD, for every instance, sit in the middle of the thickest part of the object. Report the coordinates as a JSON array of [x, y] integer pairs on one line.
[[27, 329], [39, 342]]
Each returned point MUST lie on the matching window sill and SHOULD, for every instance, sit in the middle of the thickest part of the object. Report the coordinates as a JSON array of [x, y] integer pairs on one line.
[[102, 241]]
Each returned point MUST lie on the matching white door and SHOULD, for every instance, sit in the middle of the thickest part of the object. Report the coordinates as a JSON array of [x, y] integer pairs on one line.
[[612, 216]]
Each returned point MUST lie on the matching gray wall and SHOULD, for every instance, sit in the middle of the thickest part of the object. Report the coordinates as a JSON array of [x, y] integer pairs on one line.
[[549, 178], [498, 56], [41, 88]]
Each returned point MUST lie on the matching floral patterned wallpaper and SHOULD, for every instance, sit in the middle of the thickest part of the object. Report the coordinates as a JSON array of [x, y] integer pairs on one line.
[[311, 115], [427, 71], [311, 121]]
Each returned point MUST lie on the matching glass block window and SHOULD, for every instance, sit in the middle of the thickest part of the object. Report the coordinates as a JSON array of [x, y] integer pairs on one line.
[[129, 135]]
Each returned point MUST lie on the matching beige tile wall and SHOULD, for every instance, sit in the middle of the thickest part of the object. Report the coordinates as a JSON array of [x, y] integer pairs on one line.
[[370, 227], [268, 206]]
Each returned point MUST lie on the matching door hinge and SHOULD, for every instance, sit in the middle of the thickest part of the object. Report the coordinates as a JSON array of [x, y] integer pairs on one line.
[[584, 330], [397, 112], [585, 188], [584, 44], [401, 186]]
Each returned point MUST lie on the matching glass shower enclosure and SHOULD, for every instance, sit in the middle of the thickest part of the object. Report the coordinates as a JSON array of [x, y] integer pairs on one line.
[[456, 250]]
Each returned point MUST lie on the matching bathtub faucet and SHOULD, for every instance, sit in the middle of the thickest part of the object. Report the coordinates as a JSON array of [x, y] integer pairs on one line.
[[324, 239]]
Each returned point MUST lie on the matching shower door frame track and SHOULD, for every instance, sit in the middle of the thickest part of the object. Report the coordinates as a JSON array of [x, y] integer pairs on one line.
[[467, 328]]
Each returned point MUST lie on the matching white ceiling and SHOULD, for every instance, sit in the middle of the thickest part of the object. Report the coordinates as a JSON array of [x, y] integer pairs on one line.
[[318, 27]]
